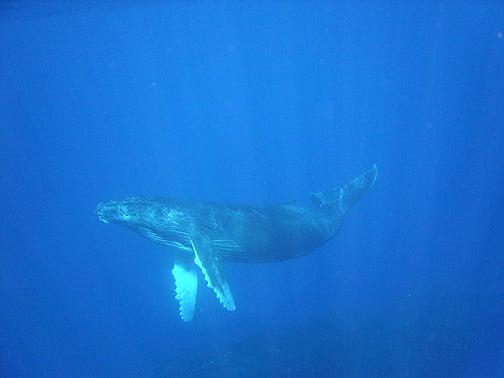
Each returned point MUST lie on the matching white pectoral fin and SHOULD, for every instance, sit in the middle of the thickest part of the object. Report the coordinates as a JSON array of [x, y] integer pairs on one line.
[[210, 264], [186, 286]]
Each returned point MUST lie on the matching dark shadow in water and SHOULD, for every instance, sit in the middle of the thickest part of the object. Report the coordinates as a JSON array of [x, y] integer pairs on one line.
[[441, 333]]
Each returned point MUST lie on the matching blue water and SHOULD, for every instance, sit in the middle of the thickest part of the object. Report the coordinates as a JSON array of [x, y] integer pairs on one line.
[[253, 102]]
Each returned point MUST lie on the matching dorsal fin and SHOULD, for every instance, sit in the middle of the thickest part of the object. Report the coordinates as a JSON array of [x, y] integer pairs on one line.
[[326, 197]]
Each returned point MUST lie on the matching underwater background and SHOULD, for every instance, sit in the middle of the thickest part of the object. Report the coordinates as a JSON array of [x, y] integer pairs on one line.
[[253, 102]]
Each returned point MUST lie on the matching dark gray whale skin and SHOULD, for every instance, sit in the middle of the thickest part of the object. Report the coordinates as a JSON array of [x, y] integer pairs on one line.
[[240, 233]]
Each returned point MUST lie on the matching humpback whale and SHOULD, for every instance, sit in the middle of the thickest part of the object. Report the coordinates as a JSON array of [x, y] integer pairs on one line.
[[205, 234]]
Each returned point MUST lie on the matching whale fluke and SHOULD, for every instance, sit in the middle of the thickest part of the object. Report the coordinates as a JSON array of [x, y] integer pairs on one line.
[[347, 196]]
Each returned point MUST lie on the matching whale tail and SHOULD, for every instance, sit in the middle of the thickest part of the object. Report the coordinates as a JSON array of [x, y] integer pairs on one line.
[[344, 198]]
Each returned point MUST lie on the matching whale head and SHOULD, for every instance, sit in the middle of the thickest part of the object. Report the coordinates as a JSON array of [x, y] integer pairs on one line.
[[133, 212], [154, 218], [126, 212]]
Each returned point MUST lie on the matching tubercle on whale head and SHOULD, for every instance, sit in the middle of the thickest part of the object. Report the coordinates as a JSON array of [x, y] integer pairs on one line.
[[117, 211]]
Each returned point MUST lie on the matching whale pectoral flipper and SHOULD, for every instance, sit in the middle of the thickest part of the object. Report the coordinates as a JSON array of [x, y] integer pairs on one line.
[[186, 285], [207, 258]]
